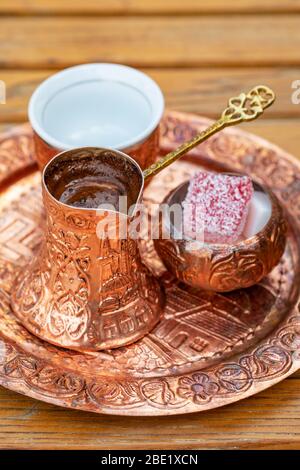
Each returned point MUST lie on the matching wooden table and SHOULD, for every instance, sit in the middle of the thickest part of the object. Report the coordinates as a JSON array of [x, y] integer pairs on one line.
[[200, 52]]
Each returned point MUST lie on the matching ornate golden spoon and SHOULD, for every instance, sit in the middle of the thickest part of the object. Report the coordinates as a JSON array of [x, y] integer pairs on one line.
[[245, 107]]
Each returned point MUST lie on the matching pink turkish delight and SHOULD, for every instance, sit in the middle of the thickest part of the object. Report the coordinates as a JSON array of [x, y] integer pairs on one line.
[[217, 205]]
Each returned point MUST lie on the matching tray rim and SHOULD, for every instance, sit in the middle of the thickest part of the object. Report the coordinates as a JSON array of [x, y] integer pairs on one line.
[[162, 405]]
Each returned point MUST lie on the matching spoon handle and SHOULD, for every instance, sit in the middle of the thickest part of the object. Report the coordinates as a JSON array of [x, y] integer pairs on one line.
[[245, 107]]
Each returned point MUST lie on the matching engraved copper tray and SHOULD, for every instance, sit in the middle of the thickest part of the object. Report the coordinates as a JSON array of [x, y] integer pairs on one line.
[[210, 349]]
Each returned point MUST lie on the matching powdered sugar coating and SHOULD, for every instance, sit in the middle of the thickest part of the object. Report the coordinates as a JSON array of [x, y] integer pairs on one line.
[[217, 205]]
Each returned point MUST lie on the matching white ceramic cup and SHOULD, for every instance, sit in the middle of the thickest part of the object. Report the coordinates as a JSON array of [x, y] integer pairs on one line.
[[104, 105]]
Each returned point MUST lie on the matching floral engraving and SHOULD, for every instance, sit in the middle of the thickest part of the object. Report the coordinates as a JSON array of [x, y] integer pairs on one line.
[[235, 268]]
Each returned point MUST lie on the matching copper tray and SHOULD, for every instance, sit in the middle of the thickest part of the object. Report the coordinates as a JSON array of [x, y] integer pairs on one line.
[[210, 349]]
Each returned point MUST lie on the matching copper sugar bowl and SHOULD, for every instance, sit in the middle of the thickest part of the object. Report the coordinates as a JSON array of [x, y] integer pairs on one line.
[[222, 267], [88, 291]]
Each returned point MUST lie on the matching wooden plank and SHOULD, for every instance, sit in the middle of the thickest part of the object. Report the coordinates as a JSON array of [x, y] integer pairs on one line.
[[203, 91], [196, 41], [29, 7], [267, 421]]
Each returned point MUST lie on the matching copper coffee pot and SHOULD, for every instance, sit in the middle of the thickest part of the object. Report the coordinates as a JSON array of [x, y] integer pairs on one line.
[[86, 292]]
